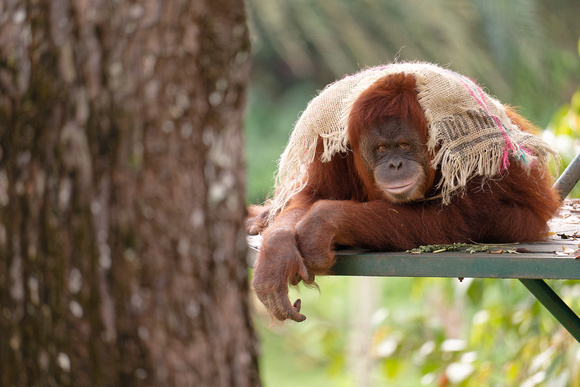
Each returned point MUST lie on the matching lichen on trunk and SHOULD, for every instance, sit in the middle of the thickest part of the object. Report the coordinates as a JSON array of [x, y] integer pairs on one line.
[[121, 194]]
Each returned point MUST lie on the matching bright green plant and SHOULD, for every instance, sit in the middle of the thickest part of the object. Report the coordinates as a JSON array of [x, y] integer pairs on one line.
[[565, 128], [421, 332]]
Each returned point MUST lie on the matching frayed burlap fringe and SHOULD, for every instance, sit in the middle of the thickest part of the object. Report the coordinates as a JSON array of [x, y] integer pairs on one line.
[[472, 130]]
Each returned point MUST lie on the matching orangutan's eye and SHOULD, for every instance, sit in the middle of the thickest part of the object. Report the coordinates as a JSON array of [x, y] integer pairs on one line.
[[404, 145]]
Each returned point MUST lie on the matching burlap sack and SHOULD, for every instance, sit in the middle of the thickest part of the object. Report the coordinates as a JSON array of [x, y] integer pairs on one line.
[[474, 134]]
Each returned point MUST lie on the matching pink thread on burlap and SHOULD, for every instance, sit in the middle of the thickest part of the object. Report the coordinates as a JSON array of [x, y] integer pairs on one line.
[[481, 101]]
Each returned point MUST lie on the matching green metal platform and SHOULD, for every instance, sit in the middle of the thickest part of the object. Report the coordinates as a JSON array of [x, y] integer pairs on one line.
[[530, 263], [530, 268], [540, 261]]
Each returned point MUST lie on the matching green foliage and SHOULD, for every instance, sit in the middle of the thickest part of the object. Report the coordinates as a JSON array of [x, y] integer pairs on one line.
[[423, 332], [565, 128], [513, 47], [566, 120], [269, 122]]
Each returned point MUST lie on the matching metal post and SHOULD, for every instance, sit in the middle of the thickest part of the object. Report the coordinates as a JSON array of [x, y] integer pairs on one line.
[[568, 178], [555, 305]]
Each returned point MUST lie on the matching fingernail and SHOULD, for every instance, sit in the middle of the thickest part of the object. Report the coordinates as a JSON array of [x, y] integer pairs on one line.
[[297, 305]]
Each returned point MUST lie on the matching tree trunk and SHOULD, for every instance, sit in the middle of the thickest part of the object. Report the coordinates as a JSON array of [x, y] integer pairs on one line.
[[122, 251]]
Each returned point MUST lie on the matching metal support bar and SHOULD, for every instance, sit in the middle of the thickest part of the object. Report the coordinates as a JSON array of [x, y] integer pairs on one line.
[[555, 305], [568, 178]]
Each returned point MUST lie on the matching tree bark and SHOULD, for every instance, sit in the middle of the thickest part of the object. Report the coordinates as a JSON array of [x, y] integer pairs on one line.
[[122, 249]]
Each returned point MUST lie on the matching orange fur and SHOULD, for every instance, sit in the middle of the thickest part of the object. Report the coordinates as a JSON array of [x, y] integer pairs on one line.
[[341, 206]]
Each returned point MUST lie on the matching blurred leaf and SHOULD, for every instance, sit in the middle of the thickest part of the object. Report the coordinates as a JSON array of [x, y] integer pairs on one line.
[[507, 45], [475, 292], [392, 367]]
